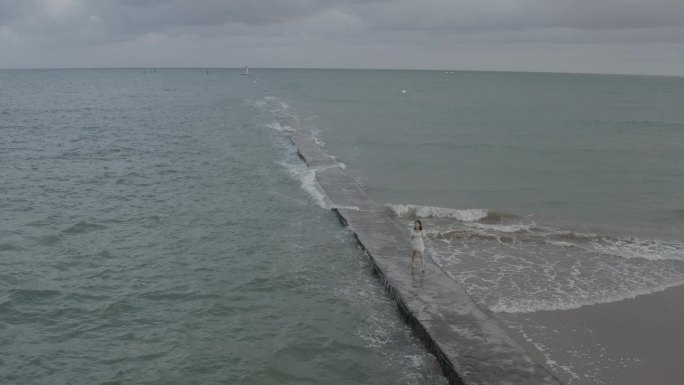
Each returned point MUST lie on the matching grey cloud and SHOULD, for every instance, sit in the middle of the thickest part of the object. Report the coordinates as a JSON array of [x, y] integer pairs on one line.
[[112, 20], [612, 14], [165, 14], [363, 29], [132, 17], [14, 9], [161, 13], [474, 16]]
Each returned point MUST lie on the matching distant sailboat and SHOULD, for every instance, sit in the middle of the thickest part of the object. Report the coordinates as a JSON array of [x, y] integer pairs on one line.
[[246, 71]]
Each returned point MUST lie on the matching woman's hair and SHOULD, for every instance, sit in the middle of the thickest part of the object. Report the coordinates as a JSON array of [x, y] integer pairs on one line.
[[420, 225]]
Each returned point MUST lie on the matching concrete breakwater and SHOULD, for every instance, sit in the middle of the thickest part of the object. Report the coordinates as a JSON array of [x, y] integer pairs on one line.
[[470, 346]]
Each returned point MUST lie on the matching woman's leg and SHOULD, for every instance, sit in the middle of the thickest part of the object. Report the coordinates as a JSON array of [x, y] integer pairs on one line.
[[422, 261]]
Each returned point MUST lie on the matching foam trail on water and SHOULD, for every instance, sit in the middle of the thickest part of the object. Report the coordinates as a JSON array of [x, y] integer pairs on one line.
[[316, 135], [342, 165], [307, 178], [299, 170], [276, 126], [327, 167], [346, 207], [569, 304], [652, 250], [510, 228], [521, 268]]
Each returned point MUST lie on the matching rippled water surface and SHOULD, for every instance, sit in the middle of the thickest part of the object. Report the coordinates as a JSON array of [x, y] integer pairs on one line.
[[153, 230], [156, 227]]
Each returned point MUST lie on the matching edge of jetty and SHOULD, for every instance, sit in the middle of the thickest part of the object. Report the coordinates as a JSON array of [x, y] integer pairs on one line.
[[470, 346]]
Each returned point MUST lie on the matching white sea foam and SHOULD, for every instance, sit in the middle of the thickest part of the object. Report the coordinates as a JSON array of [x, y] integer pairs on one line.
[[334, 206], [534, 305], [342, 165], [416, 361], [522, 268], [325, 167], [316, 136], [276, 126], [329, 166], [653, 250], [507, 284], [468, 215], [307, 178], [511, 228], [560, 243]]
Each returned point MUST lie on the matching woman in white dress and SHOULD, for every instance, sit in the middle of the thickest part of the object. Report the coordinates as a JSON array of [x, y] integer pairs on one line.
[[418, 244]]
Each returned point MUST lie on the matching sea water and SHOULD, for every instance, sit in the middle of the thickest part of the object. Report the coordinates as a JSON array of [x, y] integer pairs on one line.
[[154, 230], [157, 227], [539, 191], [554, 199]]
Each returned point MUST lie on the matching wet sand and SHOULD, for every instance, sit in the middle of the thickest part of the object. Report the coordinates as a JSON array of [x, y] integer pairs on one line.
[[632, 342]]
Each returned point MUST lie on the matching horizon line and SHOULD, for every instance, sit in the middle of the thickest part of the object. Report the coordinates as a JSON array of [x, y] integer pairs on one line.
[[330, 68]]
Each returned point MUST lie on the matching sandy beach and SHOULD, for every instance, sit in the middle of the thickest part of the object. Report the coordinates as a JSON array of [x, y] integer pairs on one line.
[[632, 342]]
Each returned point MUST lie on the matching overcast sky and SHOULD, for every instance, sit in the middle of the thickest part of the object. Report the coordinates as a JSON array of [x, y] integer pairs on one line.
[[602, 36]]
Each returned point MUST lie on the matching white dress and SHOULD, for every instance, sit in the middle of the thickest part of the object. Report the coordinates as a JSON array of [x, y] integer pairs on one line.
[[417, 241]]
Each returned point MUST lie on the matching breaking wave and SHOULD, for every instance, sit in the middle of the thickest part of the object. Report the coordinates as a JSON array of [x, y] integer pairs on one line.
[[415, 211]]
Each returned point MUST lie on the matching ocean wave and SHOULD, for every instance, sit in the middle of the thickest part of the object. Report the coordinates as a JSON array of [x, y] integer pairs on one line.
[[342, 165], [534, 305], [83, 227], [316, 135], [650, 249], [307, 178], [328, 166], [415, 211], [503, 228], [521, 269], [276, 126], [627, 248]]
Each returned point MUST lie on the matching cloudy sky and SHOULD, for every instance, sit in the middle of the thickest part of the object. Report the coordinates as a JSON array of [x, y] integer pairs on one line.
[[603, 36]]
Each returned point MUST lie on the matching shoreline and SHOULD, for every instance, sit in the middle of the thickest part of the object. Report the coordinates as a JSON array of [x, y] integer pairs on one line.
[[634, 341]]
